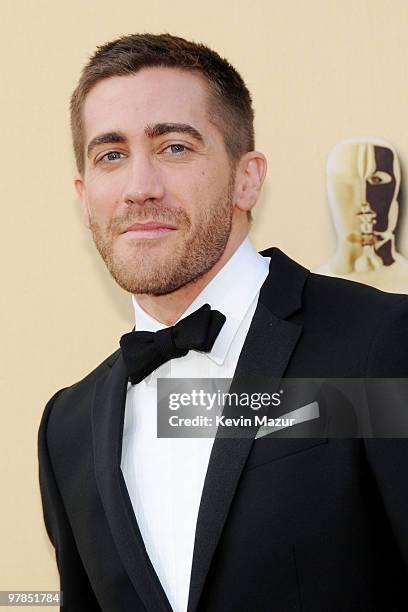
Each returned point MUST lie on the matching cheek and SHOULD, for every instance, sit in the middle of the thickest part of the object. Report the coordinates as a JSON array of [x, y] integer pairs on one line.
[[103, 196], [199, 190], [184, 191]]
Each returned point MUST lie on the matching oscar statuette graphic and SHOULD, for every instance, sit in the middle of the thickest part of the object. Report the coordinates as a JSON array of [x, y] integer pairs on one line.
[[363, 185]]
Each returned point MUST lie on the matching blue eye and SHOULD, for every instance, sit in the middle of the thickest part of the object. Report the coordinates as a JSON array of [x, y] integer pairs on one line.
[[178, 149], [111, 156]]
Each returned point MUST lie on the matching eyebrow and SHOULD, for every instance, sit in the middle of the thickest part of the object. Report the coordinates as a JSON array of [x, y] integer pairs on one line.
[[159, 129], [108, 138], [152, 131]]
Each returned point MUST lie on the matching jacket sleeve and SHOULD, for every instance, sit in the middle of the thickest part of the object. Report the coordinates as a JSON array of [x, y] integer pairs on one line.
[[77, 593], [388, 404]]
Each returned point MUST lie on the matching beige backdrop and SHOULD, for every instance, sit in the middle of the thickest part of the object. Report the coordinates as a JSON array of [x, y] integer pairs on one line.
[[319, 71]]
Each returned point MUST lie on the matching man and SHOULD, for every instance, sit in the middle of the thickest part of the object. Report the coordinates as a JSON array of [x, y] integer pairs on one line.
[[167, 176]]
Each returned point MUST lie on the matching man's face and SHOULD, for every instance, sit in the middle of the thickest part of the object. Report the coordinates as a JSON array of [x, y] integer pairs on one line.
[[158, 187]]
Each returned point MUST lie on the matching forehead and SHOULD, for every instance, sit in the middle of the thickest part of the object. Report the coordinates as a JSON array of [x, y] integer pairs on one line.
[[152, 95]]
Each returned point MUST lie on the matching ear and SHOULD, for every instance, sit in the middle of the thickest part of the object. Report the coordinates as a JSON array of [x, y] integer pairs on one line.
[[250, 175], [81, 191]]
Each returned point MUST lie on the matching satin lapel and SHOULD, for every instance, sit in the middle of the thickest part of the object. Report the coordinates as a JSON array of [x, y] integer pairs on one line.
[[267, 350], [108, 417]]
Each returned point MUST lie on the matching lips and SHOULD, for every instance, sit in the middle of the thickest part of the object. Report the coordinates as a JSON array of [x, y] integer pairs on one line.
[[149, 226], [150, 229]]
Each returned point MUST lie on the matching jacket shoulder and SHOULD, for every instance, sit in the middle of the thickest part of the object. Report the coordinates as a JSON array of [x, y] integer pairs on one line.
[[291, 288], [348, 329], [75, 394], [350, 296]]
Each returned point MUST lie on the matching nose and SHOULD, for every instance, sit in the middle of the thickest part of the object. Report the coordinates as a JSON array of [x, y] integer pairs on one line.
[[143, 182]]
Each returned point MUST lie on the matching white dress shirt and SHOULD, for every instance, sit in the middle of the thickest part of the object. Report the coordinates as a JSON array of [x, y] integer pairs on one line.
[[165, 476]]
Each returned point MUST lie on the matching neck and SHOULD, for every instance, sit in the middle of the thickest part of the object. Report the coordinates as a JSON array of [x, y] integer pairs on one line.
[[168, 308]]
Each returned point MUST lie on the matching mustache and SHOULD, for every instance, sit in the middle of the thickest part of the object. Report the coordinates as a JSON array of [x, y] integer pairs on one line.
[[159, 214]]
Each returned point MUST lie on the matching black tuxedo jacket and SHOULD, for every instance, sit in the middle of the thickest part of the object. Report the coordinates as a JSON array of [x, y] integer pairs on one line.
[[284, 524]]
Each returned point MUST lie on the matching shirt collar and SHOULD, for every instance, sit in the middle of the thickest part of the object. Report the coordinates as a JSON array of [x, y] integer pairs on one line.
[[223, 293]]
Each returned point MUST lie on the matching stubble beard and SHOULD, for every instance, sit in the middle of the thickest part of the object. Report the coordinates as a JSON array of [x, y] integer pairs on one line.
[[144, 272]]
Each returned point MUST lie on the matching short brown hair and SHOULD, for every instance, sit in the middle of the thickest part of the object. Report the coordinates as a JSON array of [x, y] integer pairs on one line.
[[230, 101]]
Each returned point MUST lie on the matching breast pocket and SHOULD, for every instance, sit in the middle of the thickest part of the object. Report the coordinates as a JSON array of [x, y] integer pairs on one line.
[[271, 448]]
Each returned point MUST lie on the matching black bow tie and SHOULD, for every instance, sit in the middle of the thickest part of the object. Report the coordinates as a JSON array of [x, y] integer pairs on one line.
[[145, 351]]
